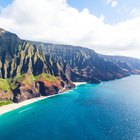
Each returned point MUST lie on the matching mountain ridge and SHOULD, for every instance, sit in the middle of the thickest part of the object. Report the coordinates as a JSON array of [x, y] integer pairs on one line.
[[28, 59]]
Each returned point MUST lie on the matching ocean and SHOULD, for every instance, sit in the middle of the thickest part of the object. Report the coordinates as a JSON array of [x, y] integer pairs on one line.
[[106, 111]]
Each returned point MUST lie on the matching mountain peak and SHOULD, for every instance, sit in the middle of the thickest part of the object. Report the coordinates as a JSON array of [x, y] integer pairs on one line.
[[2, 31]]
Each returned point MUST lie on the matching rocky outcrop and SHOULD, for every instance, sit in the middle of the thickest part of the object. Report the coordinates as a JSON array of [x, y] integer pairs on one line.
[[23, 88], [6, 95], [50, 85], [27, 86]]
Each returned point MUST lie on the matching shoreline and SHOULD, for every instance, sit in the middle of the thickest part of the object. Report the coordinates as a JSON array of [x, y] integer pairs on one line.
[[79, 83], [10, 107]]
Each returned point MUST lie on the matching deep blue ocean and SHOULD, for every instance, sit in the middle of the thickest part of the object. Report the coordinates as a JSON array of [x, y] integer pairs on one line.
[[106, 111]]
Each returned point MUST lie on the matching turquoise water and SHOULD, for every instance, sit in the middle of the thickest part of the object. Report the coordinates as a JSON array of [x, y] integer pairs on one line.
[[108, 111]]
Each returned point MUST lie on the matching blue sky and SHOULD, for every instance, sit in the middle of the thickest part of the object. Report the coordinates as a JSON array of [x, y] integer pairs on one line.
[[122, 11], [4, 3]]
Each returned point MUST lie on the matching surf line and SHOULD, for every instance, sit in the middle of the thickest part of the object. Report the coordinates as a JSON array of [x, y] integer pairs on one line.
[[25, 109]]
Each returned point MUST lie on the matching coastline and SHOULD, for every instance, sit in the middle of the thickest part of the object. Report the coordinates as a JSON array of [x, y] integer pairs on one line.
[[14, 106], [10, 107], [79, 83]]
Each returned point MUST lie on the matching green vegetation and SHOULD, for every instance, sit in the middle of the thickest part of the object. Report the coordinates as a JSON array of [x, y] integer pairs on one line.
[[4, 85], [6, 102], [29, 79], [19, 77], [14, 81], [24, 78], [46, 77]]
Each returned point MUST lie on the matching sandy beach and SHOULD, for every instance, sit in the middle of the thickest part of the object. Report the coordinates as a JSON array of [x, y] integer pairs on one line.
[[13, 106], [79, 83]]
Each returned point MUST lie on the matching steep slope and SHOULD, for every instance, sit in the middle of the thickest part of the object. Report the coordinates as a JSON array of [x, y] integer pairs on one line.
[[132, 63], [84, 64], [5, 91], [34, 69], [21, 61], [27, 86], [18, 57]]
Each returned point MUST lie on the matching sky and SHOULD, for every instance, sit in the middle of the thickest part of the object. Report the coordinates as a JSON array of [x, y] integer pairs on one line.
[[106, 26]]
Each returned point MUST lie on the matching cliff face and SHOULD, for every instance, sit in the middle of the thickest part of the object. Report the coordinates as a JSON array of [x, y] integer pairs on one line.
[[84, 64], [20, 61], [41, 69], [27, 86], [132, 64], [18, 57]]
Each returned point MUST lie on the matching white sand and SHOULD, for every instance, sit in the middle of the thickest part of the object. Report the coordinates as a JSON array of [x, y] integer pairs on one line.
[[13, 106], [79, 83]]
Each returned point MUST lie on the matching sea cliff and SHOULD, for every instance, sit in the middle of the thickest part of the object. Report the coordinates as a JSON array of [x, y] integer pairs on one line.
[[31, 69]]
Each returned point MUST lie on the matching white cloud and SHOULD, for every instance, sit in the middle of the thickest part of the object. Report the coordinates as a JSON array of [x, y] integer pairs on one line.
[[135, 12], [55, 21], [113, 3]]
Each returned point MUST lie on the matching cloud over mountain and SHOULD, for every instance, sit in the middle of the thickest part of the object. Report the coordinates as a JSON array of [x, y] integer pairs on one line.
[[55, 21]]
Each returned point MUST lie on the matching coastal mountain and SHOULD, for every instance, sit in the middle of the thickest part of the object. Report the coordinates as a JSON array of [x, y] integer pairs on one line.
[[31, 69], [20, 64], [86, 65], [133, 63]]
